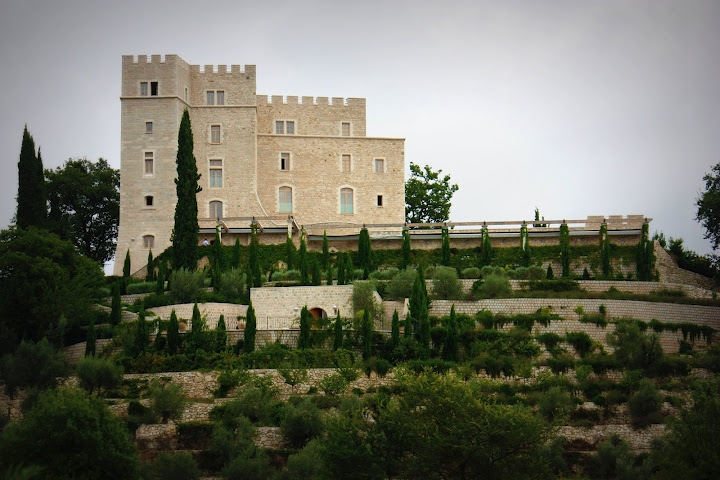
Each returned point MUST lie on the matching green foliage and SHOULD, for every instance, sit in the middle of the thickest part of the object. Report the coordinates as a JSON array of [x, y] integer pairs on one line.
[[32, 366], [42, 279], [337, 333], [580, 341], [304, 339], [395, 330], [524, 246], [470, 272], [250, 330], [363, 298], [708, 203], [446, 284], [646, 401], [401, 285], [427, 195], [487, 250], [116, 305], [645, 257], [198, 338], [450, 349], [32, 196], [493, 286], [304, 263], [565, 249], [167, 400], [91, 339], [185, 285], [172, 466], [84, 200], [365, 252], [232, 284], [173, 334], [549, 275], [553, 284], [70, 435], [419, 308], [160, 280], [185, 233], [366, 331], [235, 263], [445, 249], [406, 250], [635, 348], [301, 423], [614, 459], [334, 385], [98, 374], [605, 251], [220, 335], [555, 404]]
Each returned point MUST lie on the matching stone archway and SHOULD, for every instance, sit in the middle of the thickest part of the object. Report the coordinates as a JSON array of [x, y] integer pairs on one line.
[[319, 317]]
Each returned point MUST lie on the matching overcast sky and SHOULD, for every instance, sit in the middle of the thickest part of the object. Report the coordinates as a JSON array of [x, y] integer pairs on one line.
[[575, 107]]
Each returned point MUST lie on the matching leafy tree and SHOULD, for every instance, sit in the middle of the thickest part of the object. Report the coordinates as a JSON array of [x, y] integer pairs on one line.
[[395, 330], [91, 339], [250, 330], [185, 232], [445, 250], [708, 203], [325, 252], [302, 423], [450, 350], [366, 331], [446, 284], [98, 374], [173, 333], [167, 400], [565, 249], [365, 252], [70, 435], [406, 250], [305, 323], [32, 197], [337, 332], [42, 278], [32, 366], [634, 348], [221, 335], [427, 195], [85, 206]]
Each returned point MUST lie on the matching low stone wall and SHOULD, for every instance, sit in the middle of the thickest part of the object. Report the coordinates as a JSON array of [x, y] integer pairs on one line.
[[209, 311], [669, 271]]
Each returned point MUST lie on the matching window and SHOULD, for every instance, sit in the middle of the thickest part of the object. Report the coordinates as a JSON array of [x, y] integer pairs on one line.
[[149, 163], [216, 210], [284, 127], [186, 94], [214, 133], [216, 173], [346, 200], [284, 161], [285, 200], [144, 89], [216, 97], [148, 241], [379, 201], [345, 129], [149, 201], [379, 165], [346, 163], [148, 127], [154, 89]]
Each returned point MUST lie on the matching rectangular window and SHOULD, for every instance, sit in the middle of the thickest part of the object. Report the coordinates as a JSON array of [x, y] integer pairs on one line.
[[144, 89], [346, 200], [148, 127], [214, 133], [379, 201], [216, 209], [211, 98], [284, 127], [345, 131], [290, 128], [285, 200], [154, 89], [149, 201], [279, 128], [216, 173], [149, 163], [284, 161], [379, 165], [220, 94], [148, 241], [346, 163], [186, 94]]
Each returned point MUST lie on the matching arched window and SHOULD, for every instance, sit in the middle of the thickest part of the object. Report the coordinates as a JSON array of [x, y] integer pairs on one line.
[[148, 241], [216, 209], [346, 200], [285, 200]]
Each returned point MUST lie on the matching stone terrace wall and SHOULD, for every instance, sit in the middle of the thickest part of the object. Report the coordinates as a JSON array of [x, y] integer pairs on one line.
[[669, 271], [281, 305], [210, 311]]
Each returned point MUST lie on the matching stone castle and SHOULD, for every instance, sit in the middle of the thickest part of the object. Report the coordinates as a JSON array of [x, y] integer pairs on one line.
[[280, 161]]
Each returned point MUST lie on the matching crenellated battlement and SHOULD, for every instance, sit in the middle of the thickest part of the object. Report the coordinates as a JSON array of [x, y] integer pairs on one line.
[[221, 69], [307, 100]]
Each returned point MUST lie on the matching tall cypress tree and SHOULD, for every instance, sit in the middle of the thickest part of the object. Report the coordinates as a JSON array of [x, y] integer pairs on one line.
[[419, 308], [31, 197], [525, 246], [395, 330], [338, 332], [366, 330], [126, 273], [236, 254], [365, 252], [255, 278], [116, 307], [160, 280], [487, 254], [645, 257], [406, 250], [315, 269], [304, 266], [185, 233], [173, 334], [141, 333], [221, 335], [450, 349], [250, 330], [408, 330], [305, 324], [341, 277], [349, 268], [325, 259], [150, 275], [217, 264], [91, 340], [565, 249], [290, 252], [605, 251]]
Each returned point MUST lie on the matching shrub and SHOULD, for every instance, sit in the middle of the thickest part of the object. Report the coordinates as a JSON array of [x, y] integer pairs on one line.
[[494, 286], [98, 374], [445, 283], [140, 287], [172, 466], [232, 284], [561, 363], [580, 341], [334, 385], [185, 285], [167, 400], [555, 404], [400, 286], [471, 272], [549, 339], [646, 401], [301, 423]]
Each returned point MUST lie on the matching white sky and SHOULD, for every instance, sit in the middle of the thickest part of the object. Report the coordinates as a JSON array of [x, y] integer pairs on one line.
[[578, 107]]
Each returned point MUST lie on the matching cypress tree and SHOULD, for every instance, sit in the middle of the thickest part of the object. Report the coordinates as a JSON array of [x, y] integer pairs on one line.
[[255, 279], [605, 251], [220, 335], [31, 197], [150, 275], [126, 273], [408, 330], [236, 254], [116, 307], [366, 331], [487, 254], [160, 280], [304, 267], [406, 250], [91, 340], [450, 349], [329, 275], [173, 333], [325, 252], [290, 252], [445, 251], [185, 233], [365, 252], [316, 279], [338, 332], [349, 268], [305, 324], [395, 330], [341, 278], [549, 273], [217, 261], [141, 333], [250, 330], [525, 246], [645, 257], [565, 249], [419, 306]]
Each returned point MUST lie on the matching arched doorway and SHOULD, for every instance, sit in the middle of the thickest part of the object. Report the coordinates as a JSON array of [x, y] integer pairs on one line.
[[319, 317]]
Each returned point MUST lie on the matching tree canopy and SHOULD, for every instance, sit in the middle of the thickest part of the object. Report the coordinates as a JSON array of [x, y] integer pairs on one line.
[[428, 195], [185, 233], [32, 197], [85, 206], [708, 204]]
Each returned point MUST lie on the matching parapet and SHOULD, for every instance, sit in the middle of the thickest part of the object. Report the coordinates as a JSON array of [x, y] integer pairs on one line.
[[219, 69], [310, 101]]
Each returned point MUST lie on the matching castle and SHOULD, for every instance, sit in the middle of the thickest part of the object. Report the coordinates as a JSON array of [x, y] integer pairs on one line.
[[282, 162]]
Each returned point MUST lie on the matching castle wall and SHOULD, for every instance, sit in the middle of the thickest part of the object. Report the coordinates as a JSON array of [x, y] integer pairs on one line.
[[312, 115]]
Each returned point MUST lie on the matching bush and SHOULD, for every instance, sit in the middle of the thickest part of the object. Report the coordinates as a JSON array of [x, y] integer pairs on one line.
[[493, 286], [471, 272], [400, 287], [141, 287], [555, 404], [301, 423], [561, 363], [446, 284], [167, 400], [580, 341], [98, 374], [232, 284], [549, 339], [646, 401], [387, 274], [172, 466], [185, 285], [334, 385]]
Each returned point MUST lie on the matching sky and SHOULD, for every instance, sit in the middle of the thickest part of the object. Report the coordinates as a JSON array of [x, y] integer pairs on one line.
[[576, 107]]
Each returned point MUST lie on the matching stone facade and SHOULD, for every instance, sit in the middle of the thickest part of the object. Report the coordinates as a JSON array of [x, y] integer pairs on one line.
[[247, 148]]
